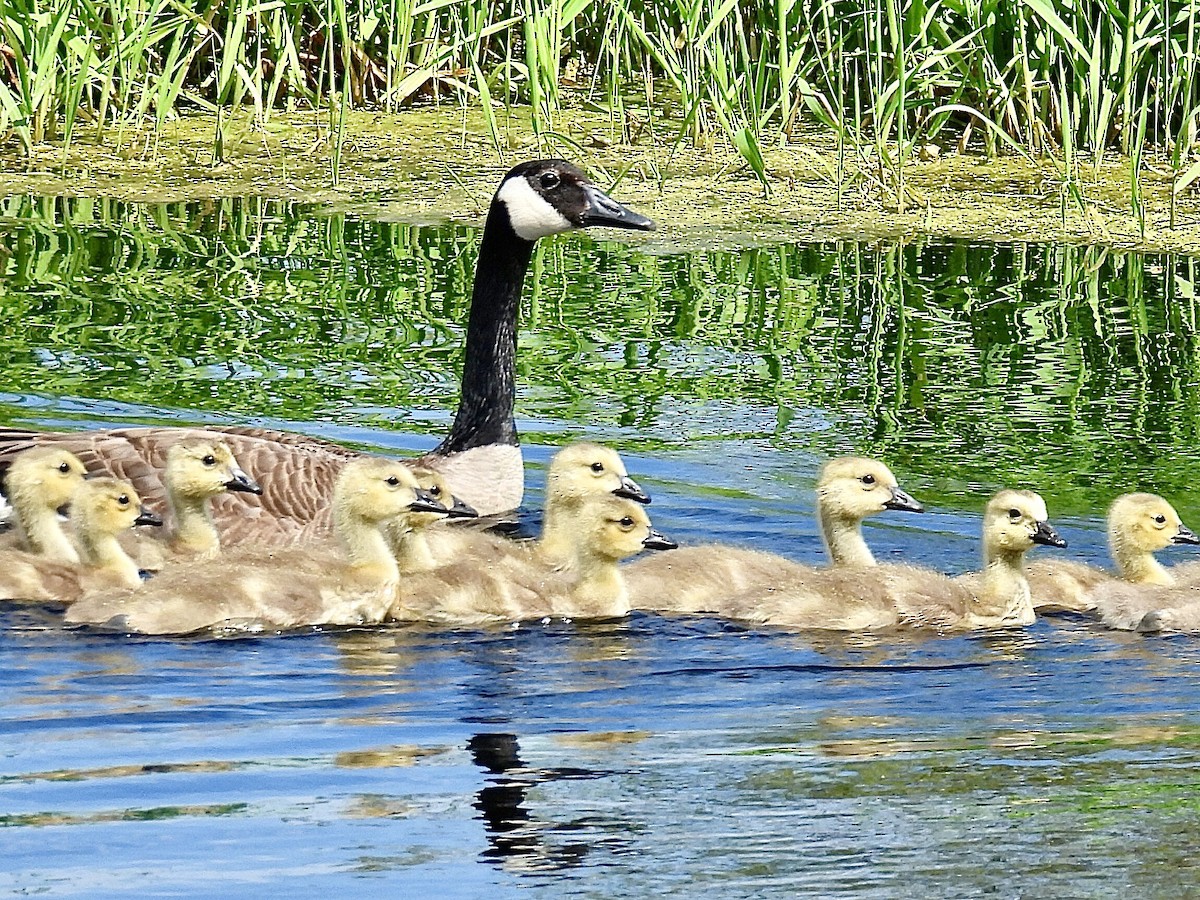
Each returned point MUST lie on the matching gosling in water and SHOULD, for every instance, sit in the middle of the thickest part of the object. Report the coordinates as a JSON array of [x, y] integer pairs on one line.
[[852, 599], [101, 510], [288, 588], [699, 579], [601, 531], [39, 483], [1139, 525]]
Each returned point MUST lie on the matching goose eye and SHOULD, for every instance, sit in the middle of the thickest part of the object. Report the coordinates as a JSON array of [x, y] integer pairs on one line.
[[209, 460], [549, 180], [123, 499], [1014, 514], [436, 491], [1160, 519], [626, 522], [393, 480], [868, 479], [64, 468], [597, 467]]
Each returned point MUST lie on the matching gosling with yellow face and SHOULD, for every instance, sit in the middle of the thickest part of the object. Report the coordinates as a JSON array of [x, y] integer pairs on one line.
[[38, 484], [101, 510], [853, 599], [600, 531], [293, 588], [1139, 525], [699, 579], [196, 471]]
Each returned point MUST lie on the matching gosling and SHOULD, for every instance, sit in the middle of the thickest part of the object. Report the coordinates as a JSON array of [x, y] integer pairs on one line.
[[600, 532], [196, 471], [293, 588], [101, 510], [699, 579], [39, 483], [1139, 525], [845, 599]]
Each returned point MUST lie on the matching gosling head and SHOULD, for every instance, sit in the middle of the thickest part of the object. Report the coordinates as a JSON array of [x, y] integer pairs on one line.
[[435, 485], [44, 477], [549, 196], [1146, 522], [584, 470], [108, 506], [854, 487], [201, 469], [374, 490], [615, 528], [1016, 520]]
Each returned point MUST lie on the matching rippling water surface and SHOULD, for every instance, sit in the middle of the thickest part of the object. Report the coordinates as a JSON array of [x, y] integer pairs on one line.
[[651, 756]]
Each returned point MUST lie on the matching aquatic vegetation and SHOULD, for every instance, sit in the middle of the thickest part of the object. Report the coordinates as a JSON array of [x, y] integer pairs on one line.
[[891, 78]]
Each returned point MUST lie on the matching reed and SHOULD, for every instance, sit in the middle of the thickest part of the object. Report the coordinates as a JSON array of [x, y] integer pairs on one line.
[[886, 75]]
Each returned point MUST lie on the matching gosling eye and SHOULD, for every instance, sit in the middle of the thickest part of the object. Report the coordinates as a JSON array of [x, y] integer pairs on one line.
[[626, 522], [1160, 519], [868, 479], [435, 491], [549, 180], [393, 480], [209, 460], [1014, 514], [123, 499], [597, 467], [64, 468]]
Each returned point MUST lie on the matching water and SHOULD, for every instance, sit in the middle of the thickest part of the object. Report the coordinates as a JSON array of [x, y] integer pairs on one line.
[[651, 756]]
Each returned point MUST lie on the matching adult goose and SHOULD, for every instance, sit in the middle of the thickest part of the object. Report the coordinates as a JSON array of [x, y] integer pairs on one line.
[[481, 457]]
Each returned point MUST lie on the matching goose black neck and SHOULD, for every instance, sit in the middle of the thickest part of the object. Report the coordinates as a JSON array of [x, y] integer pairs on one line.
[[485, 411]]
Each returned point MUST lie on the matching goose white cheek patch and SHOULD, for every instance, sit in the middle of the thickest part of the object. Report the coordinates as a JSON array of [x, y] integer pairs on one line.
[[529, 213]]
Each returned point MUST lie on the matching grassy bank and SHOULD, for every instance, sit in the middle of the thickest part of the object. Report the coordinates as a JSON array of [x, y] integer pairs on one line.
[[889, 79], [399, 166]]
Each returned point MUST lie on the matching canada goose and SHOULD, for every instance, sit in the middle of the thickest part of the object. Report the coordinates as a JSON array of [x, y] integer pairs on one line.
[[694, 579], [195, 472], [40, 482], [101, 509], [601, 531], [257, 589], [1138, 526], [481, 456], [845, 599]]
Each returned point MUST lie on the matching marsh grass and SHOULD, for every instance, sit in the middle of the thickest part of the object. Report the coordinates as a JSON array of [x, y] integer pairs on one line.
[[890, 77]]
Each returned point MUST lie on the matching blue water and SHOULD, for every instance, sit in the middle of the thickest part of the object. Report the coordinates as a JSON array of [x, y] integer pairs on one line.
[[653, 756]]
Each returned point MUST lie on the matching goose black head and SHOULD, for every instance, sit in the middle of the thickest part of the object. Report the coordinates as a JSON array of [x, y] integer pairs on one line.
[[549, 196]]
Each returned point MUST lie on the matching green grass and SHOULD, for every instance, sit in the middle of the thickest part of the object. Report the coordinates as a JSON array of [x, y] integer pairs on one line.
[[888, 76]]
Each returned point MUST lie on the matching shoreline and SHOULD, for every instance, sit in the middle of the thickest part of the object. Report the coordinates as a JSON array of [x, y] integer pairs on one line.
[[395, 167]]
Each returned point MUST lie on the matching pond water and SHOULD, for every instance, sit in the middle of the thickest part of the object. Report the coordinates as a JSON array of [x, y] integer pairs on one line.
[[650, 756]]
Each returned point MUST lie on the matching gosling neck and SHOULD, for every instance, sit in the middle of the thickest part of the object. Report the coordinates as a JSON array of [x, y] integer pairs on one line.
[[409, 546], [556, 546], [102, 551], [1138, 565], [195, 532], [366, 548], [485, 410], [42, 532], [843, 538], [599, 592], [1005, 598]]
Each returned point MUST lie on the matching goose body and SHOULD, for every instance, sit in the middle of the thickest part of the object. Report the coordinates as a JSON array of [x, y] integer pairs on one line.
[[480, 458], [101, 510], [700, 579], [602, 530], [851, 599], [255, 588], [1138, 526]]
